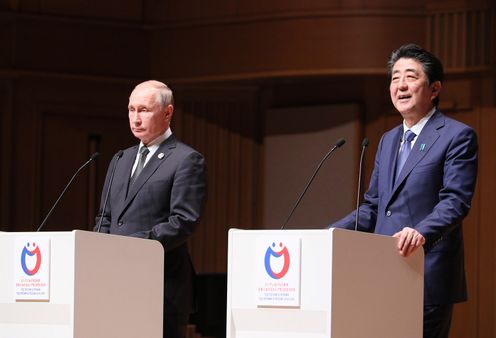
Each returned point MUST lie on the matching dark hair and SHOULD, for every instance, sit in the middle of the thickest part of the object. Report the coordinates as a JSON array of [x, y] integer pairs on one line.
[[431, 65]]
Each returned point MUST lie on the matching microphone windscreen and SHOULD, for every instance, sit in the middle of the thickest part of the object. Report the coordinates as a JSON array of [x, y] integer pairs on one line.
[[95, 155], [340, 142]]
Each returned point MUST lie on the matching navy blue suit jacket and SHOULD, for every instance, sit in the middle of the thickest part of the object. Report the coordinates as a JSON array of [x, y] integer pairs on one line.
[[164, 204], [432, 194]]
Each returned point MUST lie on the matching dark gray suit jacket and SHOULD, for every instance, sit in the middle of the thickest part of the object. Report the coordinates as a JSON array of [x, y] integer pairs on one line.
[[164, 204]]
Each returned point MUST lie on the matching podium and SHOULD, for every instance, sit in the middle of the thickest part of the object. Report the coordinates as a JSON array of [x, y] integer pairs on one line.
[[330, 283], [80, 284]]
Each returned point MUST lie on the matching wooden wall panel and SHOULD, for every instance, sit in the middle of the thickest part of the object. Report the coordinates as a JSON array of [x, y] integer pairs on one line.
[[222, 124], [463, 38], [486, 268], [130, 10], [48, 45], [6, 151], [318, 45], [6, 32], [227, 10]]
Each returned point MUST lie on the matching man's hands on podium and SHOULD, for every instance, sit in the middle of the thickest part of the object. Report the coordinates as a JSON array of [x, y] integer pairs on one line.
[[409, 240]]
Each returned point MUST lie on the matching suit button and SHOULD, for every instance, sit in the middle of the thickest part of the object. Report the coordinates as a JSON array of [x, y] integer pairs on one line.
[[388, 213], [120, 223]]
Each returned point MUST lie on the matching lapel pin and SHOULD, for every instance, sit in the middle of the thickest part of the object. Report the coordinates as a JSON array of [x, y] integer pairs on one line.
[[422, 147], [161, 156]]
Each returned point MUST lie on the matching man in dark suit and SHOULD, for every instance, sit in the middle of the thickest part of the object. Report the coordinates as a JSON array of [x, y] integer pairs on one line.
[[158, 191], [422, 184]]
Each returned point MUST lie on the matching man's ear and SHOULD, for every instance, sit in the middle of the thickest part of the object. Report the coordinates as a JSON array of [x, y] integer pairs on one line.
[[169, 111], [436, 88]]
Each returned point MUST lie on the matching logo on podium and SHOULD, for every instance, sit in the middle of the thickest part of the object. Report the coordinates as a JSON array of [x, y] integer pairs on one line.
[[278, 271], [277, 254], [27, 252], [32, 269]]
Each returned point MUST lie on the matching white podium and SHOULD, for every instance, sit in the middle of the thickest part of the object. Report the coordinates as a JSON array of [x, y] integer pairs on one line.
[[345, 284], [98, 286]]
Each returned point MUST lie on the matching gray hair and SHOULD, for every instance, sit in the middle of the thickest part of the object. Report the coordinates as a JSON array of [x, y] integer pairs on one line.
[[164, 95]]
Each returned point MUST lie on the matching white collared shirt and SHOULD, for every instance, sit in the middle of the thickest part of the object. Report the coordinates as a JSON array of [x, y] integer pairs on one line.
[[152, 147], [417, 127]]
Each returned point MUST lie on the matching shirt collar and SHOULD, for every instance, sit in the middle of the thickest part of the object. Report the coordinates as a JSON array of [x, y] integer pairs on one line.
[[153, 145], [417, 127]]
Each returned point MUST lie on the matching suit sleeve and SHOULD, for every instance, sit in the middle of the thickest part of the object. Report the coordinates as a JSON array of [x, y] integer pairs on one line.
[[368, 209], [189, 190], [459, 178]]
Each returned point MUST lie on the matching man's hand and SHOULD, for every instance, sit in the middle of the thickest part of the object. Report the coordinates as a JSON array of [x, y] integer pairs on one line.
[[409, 240]]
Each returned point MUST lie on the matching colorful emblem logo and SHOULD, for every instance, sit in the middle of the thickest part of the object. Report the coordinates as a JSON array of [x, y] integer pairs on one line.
[[277, 254], [34, 251]]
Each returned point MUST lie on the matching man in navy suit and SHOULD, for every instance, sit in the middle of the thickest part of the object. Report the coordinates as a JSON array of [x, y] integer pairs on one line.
[[422, 184], [158, 191]]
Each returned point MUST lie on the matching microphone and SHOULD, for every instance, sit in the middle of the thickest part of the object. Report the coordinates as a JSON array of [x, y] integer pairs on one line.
[[118, 156], [338, 144], [95, 155], [365, 143]]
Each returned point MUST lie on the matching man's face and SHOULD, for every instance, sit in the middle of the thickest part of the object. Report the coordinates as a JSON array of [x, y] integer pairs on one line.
[[410, 91], [146, 119]]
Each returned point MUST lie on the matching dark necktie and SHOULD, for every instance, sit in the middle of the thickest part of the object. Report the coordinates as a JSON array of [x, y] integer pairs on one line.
[[141, 163], [406, 147]]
